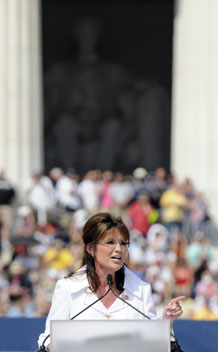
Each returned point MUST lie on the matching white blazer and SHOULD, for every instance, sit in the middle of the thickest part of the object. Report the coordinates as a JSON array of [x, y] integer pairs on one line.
[[72, 295]]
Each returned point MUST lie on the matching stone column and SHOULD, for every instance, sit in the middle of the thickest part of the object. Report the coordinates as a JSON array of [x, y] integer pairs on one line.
[[20, 90], [195, 96]]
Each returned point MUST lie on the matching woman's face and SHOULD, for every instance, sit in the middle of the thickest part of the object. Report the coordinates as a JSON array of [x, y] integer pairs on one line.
[[111, 252]]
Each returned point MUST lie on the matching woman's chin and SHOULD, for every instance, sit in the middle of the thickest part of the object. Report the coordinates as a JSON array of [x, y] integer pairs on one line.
[[116, 265]]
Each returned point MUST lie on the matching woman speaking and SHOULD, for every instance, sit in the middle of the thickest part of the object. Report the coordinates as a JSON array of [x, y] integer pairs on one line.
[[104, 278]]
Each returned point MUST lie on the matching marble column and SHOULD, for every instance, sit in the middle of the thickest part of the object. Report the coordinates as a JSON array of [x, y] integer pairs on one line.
[[195, 96], [21, 141]]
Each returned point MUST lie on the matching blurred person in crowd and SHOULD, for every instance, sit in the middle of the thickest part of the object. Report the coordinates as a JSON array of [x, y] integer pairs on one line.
[[207, 286], [5, 245], [58, 256], [179, 245], [20, 291], [199, 214], [66, 185], [199, 250], [160, 277], [153, 253], [138, 214], [40, 196], [171, 179], [137, 253], [106, 201], [122, 194], [5, 260], [89, 190], [157, 260], [45, 236], [17, 307], [202, 311], [183, 276], [25, 222], [159, 265], [18, 275], [158, 250], [188, 189], [156, 185], [197, 274], [173, 204], [158, 236], [139, 181], [55, 174], [106, 241], [24, 255], [7, 198]]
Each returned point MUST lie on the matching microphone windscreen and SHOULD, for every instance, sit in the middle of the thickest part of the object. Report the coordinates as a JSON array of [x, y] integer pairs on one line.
[[109, 280]]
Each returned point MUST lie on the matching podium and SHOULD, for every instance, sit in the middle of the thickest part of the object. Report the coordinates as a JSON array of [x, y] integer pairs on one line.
[[110, 335]]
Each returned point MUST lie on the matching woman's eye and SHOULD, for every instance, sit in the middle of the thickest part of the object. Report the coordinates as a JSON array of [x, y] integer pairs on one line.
[[123, 243], [110, 242]]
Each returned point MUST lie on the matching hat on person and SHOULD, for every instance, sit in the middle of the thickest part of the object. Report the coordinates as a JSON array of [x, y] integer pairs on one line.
[[139, 172]]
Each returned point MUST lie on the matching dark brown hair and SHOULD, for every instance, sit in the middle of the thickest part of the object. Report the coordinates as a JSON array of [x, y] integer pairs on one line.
[[93, 231]]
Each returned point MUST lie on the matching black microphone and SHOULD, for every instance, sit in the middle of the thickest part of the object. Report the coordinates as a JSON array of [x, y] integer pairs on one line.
[[110, 281], [42, 347], [110, 284]]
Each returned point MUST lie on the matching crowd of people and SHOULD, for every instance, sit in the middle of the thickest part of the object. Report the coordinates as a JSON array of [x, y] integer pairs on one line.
[[171, 246]]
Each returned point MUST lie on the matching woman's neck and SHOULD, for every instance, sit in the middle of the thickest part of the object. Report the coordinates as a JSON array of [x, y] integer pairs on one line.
[[102, 274]]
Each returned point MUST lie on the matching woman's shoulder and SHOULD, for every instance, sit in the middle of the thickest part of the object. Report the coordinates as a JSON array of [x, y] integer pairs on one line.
[[76, 281]]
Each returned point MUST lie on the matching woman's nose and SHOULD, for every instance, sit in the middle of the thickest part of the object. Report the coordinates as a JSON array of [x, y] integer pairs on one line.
[[117, 246]]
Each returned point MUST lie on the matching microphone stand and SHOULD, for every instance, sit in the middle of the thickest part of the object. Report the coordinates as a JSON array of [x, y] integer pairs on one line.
[[175, 347]]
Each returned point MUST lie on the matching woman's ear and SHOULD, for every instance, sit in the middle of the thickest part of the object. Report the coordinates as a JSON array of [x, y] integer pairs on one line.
[[90, 249]]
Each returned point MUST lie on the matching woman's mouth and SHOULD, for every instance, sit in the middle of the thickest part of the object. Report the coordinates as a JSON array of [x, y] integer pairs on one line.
[[116, 257]]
